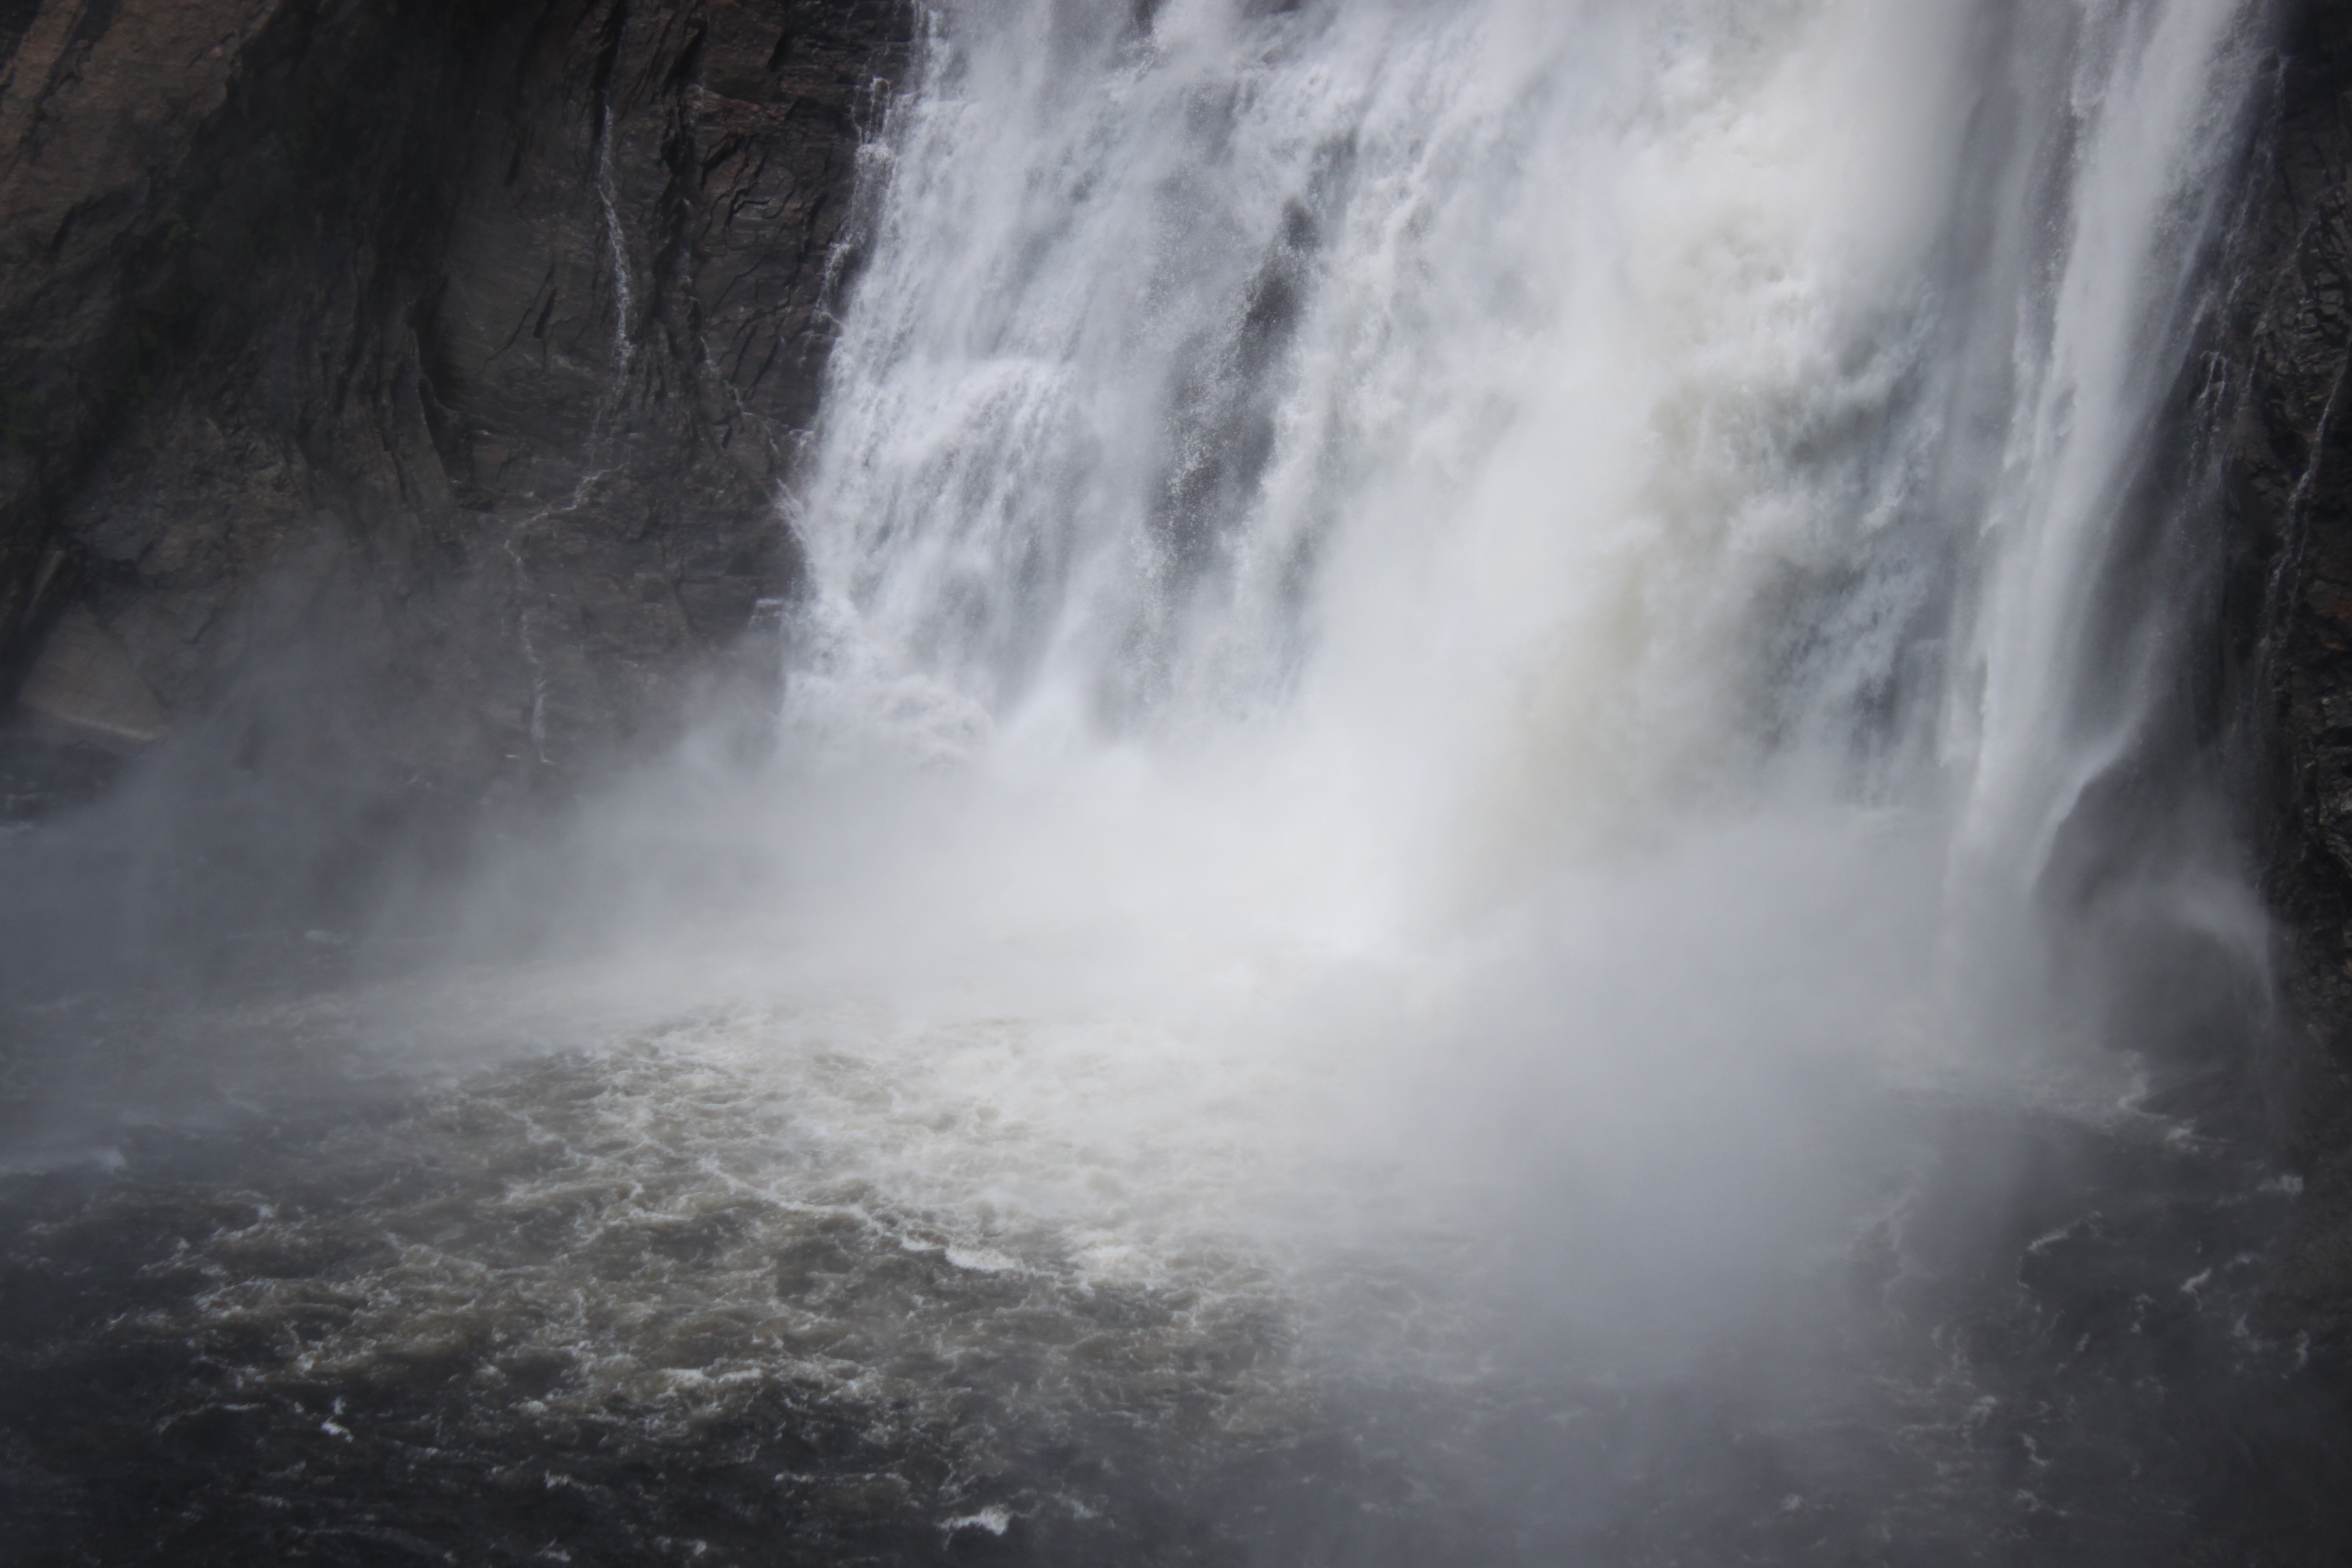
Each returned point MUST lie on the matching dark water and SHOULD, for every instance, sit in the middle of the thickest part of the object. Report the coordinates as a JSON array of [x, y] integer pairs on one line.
[[267, 1302]]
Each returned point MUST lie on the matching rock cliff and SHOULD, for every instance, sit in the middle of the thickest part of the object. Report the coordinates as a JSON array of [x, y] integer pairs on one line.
[[393, 392], [2287, 472]]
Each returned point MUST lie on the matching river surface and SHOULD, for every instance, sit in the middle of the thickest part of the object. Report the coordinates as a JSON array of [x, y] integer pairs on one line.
[[740, 1286]]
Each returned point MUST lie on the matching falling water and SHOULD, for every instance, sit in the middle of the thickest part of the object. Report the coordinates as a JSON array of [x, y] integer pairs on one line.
[[1434, 462], [1489, 827], [1550, 572]]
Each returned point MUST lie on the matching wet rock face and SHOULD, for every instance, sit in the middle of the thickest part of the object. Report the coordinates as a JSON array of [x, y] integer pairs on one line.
[[400, 388], [2287, 469]]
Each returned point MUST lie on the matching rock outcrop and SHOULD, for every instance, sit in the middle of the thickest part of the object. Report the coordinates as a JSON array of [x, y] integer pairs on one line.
[[2287, 473], [397, 391]]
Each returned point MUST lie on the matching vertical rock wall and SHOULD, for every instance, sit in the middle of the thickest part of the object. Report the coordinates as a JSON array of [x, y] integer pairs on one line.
[[2287, 470], [395, 391]]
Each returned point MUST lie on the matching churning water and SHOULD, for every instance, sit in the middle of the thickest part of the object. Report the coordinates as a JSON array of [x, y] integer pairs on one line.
[[1490, 840]]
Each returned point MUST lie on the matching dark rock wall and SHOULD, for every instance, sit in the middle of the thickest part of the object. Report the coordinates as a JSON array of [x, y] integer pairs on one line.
[[398, 389], [2287, 474]]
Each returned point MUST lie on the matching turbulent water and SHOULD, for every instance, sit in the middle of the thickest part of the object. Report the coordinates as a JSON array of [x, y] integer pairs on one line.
[[1495, 837]]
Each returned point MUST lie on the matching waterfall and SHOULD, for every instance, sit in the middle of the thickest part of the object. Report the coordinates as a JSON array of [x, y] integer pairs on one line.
[[1638, 540], [1496, 823]]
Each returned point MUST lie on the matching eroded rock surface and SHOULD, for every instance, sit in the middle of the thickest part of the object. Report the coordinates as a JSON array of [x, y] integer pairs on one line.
[[2288, 472], [403, 385]]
